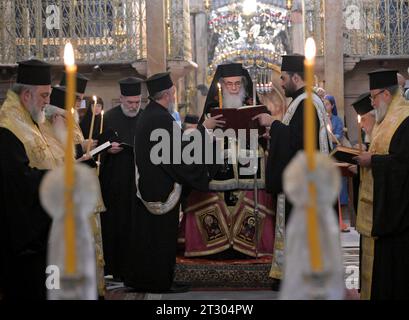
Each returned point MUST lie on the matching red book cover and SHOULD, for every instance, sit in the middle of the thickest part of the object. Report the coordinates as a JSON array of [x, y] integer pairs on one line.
[[241, 118]]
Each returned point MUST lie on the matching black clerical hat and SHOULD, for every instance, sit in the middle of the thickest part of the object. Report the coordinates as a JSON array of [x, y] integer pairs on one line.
[[130, 87], [363, 104], [226, 70], [293, 63], [159, 82], [382, 78], [191, 118], [230, 70], [81, 82], [57, 97], [34, 72]]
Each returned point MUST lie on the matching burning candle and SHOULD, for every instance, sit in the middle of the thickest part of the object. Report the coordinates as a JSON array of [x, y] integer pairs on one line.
[[332, 135], [70, 252], [220, 96], [310, 136], [359, 133]]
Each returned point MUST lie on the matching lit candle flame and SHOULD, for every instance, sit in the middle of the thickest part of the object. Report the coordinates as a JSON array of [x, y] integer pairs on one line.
[[94, 98], [359, 133], [69, 59], [310, 50], [220, 96]]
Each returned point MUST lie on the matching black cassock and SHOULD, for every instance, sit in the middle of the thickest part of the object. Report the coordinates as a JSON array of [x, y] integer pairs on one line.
[[285, 142], [152, 254], [117, 177], [390, 276], [24, 225]]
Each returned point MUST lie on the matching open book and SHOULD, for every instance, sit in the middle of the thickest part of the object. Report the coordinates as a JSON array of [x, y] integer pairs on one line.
[[345, 154], [240, 118], [106, 145]]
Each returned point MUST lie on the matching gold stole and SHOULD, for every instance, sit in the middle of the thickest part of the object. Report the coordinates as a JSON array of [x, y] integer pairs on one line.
[[381, 138], [14, 117]]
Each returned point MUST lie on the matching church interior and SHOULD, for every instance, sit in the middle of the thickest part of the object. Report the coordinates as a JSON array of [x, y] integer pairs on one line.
[[190, 39]]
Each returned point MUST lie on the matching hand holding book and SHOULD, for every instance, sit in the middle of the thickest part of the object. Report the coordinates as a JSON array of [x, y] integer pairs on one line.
[[345, 154], [241, 118]]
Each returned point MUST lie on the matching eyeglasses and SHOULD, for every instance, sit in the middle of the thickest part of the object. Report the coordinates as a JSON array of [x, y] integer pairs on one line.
[[375, 95], [233, 84]]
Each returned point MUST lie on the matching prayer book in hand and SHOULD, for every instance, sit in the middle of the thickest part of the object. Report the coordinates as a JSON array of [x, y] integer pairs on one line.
[[345, 154], [241, 118], [100, 148]]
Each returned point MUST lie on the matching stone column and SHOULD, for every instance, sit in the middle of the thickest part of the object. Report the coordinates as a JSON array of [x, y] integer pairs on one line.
[[156, 36], [201, 58], [334, 52], [297, 31]]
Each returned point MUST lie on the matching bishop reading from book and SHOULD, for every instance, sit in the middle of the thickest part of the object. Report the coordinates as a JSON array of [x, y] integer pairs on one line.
[[229, 204]]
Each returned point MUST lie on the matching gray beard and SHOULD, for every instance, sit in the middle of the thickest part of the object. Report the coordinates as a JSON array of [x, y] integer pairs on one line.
[[38, 116], [171, 108], [232, 101], [380, 112], [130, 114]]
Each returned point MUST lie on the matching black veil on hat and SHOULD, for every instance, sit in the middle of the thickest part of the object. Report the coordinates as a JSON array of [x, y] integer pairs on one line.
[[363, 104], [34, 72], [293, 63], [57, 97], [222, 71], [81, 82], [158, 82], [382, 78]]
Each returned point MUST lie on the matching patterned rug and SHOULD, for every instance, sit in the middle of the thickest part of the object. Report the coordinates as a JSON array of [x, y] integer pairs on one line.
[[226, 274]]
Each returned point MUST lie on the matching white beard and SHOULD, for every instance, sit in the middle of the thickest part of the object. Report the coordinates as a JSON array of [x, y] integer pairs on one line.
[[381, 111], [231, 101], [38, 116], [171, 108], [130, 114]]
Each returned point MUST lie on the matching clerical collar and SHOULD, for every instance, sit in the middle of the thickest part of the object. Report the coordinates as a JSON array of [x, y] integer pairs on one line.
[[298, 93]]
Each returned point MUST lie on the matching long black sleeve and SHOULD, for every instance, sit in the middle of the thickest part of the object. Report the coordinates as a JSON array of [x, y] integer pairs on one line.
[[391, 185], [24, 224]]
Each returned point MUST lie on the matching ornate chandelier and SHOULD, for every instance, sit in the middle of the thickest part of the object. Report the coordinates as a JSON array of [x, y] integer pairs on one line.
[[253, 33]]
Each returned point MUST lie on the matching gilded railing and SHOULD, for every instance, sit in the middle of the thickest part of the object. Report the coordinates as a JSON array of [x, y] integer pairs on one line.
[[376, 27], [102, 31], [371, 27]]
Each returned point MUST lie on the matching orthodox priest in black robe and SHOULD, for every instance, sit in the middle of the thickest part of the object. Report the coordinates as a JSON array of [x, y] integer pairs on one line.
[[383, 207], [159, 181], [117, 177], [222, 223], [286, 139], [25, 157]]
